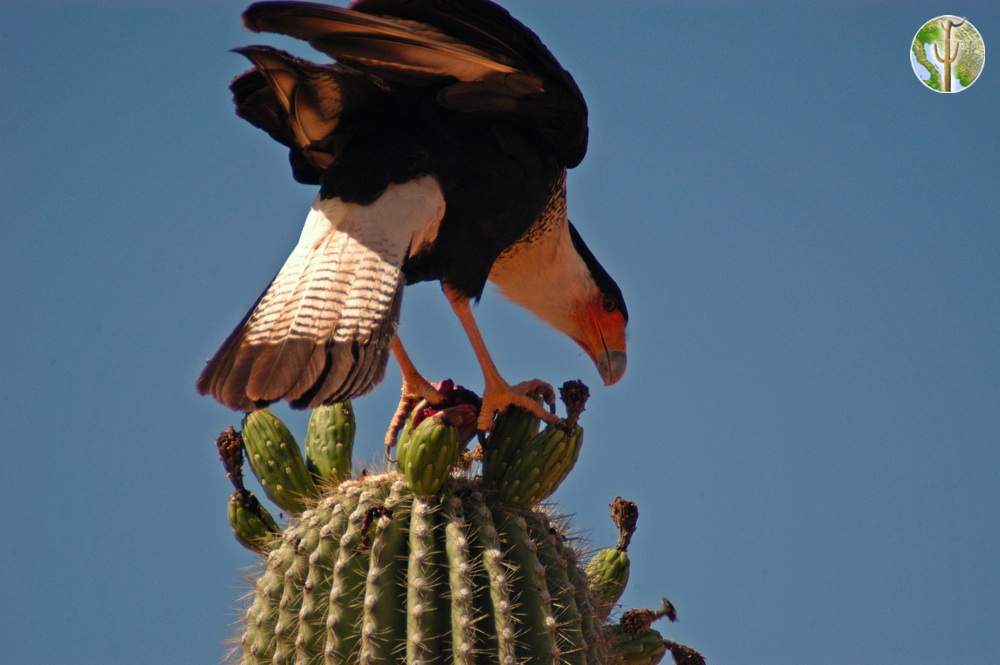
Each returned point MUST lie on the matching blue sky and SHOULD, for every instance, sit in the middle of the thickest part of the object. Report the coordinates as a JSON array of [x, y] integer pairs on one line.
[[807, 239]]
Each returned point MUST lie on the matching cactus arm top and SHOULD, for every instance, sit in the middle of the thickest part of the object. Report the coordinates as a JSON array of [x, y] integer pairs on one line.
[[440, 141]]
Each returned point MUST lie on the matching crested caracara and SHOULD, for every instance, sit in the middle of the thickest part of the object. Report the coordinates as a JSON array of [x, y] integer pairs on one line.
[[440, 140]]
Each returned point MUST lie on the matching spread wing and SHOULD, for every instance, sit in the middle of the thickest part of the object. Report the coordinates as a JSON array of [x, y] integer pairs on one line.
[[474, 55]]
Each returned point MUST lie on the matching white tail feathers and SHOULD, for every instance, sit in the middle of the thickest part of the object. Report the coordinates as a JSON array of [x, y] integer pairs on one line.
[[321, 331]]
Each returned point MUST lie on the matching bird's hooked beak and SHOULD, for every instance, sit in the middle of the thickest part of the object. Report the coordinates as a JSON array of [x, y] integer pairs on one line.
[[612, 366], [602, 337]]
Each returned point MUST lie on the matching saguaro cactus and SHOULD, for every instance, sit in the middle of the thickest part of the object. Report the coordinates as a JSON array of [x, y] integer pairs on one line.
[[431, 563], [949, 56]]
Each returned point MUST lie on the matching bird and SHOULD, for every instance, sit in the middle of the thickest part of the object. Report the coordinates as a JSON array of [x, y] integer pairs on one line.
[[440, 136]]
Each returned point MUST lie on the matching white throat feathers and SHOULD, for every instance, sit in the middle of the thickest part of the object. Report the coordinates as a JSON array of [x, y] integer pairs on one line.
[[546, 275]]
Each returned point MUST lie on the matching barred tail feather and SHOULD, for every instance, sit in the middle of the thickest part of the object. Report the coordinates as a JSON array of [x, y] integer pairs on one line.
[[298, 343], [321, 331]]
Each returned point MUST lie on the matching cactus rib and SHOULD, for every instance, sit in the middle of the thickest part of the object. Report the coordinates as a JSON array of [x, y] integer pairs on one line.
[[463, 636], [569, 635], [316, 590], [536, 643], [383, 626], [487, 541], [286, 629], [259, 639], [593, 636], [424, 630], [350, 573]]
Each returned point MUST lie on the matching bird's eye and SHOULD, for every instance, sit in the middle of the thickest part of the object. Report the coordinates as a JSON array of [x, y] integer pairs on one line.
[[609, 304]]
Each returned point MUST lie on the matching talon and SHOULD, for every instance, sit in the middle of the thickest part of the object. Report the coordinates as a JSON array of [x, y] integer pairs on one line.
[[408, 399], [539, 388], [498, 396], [415, 387]]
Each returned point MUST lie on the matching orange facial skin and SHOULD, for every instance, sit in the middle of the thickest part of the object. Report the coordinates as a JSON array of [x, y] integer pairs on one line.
[[602, 337]]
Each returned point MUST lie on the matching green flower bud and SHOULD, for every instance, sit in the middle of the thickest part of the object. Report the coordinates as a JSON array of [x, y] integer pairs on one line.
[[330, 442], [276, 461], [428, 451], [625, 648], [252, 525]]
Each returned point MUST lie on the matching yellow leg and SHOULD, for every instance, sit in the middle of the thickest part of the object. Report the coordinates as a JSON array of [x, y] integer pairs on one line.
[[415, 387], [497, 393]]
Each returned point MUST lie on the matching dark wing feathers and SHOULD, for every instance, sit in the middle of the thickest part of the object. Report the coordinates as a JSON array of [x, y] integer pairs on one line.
[[310, 95], [387, 46], [480, 58], [559, 109], [299, 104], [482, 25], [257, 103]]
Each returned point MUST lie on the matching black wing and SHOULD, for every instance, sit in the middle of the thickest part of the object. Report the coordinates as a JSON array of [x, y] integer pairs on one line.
[[300, 104], [478, 57]]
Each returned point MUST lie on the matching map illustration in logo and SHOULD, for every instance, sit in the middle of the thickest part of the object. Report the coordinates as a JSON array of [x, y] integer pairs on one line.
[[948, 54]]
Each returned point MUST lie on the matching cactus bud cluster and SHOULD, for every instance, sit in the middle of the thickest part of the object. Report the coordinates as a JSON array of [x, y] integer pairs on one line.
[[431, 562]]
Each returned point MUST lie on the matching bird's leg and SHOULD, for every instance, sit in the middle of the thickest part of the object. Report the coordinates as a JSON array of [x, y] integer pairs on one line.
[[415, 387], [497, 393]]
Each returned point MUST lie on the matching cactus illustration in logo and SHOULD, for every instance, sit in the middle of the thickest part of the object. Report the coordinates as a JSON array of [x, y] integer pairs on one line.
[[947, 54]]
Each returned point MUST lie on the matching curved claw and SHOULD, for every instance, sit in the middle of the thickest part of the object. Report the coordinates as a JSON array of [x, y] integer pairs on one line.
[[408, 399], [539, 388], [497, 398], [403, 409]]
